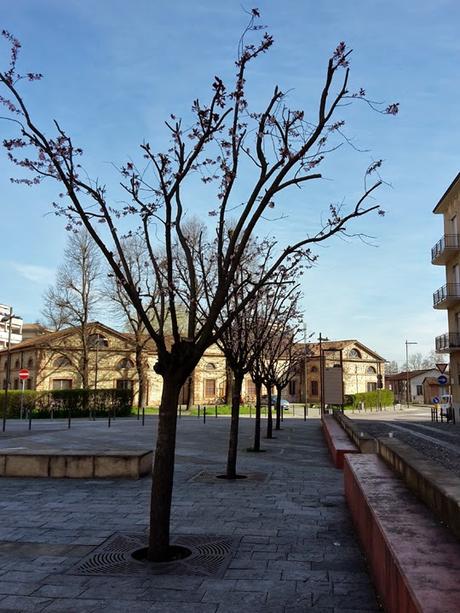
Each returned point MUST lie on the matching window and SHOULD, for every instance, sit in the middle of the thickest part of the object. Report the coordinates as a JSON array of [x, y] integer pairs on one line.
[[210, 366], [29, 384], [354, 354], [17, 364], [125, 363], [371, 386], [419, 390], [314, 388], [370, 370], [209, 388], [62, 384], [313, 369], [292, 387], [124, 384], [16, 384], [62, 362], [97, 341], [30, 363]]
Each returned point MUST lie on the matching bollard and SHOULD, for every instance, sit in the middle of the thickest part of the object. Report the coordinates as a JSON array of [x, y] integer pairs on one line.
[[143, 416], [199, 412], [216, 410], [30, 419], [138, 413], [109, 420], [52, 414], [305, 412], [250, 411], [204, 415], [180, 411]]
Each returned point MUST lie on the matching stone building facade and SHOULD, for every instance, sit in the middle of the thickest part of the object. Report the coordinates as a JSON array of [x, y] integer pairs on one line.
[[446, 253]]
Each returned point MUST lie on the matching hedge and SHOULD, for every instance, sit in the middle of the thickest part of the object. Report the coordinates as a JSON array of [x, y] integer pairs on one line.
[[370, 399], [80, 402]]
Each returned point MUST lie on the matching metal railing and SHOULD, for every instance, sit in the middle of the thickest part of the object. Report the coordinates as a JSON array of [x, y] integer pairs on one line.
[[446, 292], [447, 342], [448, 241]]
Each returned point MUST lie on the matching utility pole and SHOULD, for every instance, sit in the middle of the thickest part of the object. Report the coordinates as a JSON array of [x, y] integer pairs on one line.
[[8, 318], [407, 370]]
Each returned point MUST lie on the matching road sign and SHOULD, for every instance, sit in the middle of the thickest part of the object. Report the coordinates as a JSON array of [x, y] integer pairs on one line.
[[442, 379], [23, 374], [442, 367], [436, 400]]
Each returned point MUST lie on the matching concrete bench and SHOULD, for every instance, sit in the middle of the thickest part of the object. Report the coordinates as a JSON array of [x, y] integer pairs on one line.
[[81, 464], [415, 562], [437, 487], [337, 440]]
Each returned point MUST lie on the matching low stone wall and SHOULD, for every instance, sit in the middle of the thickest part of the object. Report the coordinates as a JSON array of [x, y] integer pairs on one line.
[[364, 442], [437, 487]]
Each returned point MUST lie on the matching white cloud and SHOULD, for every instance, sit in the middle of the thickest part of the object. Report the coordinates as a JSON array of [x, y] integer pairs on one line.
[[37, 274]]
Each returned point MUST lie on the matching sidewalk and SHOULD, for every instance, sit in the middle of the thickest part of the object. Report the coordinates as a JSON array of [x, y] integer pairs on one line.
[[286, 531]]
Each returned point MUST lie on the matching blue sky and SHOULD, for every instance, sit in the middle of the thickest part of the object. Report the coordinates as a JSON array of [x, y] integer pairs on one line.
[[115, 70]]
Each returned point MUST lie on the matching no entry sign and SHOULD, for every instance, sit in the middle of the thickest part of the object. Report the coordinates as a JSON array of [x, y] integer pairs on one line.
[[23, 374]]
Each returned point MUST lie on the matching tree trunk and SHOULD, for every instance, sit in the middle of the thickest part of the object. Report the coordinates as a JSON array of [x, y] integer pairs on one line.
[[269, 412], [141, 375], [163, 471], [278, 408], [258, 385], [233, 439]]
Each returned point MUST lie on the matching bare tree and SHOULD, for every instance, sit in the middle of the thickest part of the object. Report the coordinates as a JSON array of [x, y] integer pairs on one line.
[[137, 259], [73, 300], [284, 149], [287, 366]]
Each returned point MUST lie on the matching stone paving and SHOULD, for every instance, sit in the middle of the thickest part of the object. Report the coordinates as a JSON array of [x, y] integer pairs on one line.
[[296, 547]]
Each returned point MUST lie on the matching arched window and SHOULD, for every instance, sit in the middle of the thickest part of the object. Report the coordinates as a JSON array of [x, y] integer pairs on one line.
[[125, 363], [62, 362], [314, 369], [210, 366], [354, 354], [30, 363], [97, 341], [370, 370], [17, 364]]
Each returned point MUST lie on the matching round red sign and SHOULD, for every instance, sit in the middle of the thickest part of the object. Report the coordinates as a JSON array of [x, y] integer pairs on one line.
[[23, 374]]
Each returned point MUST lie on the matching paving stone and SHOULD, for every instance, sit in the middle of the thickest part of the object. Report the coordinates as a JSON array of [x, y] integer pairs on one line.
[[285, 562]]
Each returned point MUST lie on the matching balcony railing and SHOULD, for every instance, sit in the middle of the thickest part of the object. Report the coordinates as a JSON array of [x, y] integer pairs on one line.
[[445, 248], [446, 296], [447, 342]]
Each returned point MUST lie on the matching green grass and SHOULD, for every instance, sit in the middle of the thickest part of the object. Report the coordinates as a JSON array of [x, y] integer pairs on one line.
[[222, 409]]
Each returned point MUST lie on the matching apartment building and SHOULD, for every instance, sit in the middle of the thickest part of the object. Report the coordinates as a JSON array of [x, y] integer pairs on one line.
[[5, 323], [446, 253]]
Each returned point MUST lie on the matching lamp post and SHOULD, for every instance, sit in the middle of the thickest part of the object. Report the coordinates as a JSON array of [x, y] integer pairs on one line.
[[407, 369], [321, 338], [6, 318]]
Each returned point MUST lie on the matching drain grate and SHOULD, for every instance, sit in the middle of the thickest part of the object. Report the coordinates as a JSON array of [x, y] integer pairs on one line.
[[206, 477], [210, 557]]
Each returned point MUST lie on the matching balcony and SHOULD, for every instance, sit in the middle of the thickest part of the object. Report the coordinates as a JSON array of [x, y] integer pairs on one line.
[[447, 342], [446, 296], [445, 248]]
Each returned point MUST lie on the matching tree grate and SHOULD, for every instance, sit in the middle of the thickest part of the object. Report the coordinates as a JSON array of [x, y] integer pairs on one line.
[[212, 477], [210, 557]]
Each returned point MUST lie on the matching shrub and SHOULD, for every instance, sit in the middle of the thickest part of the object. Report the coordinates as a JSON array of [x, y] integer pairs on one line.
[[370, 399], [80, 403]]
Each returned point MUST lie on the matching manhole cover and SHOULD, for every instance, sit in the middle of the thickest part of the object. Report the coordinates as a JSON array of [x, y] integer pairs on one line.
[[210, 557], [206, 477]]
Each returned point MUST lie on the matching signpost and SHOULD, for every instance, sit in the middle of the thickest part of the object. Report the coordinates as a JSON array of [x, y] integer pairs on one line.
[[442, 366], [23, 376]]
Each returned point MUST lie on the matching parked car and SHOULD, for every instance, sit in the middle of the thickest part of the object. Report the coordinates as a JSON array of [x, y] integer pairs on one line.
[[284, 403]]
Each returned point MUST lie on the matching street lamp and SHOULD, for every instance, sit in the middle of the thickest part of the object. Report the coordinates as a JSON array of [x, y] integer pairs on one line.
[[4, 319], [321, 338], [407, 369]]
